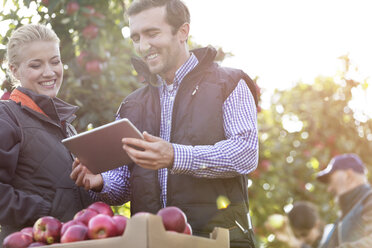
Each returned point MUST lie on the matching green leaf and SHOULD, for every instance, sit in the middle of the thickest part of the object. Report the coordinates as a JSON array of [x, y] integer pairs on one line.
[[27, 3], [52, 6]]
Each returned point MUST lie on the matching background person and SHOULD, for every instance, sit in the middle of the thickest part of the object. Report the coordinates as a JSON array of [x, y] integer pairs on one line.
[[34, 164], [301, 227], [306, 224], [201, 128], [346, 178]]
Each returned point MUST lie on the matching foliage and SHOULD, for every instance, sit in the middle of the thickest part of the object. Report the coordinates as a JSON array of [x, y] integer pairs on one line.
[[98, 73], [304, 128]]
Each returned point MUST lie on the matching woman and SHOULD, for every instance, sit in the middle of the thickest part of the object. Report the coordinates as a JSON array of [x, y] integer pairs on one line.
[[34, 164]]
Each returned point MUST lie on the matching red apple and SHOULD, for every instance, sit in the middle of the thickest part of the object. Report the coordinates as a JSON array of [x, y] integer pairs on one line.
[[72, 7], [5, 96], [77, 232], [101, 226], [28, 231], [121, 223], [90, 32], [93, 67], [68, 224], [17, 240], [85, 215], [36, 244], [88, 11], [47, 230], [265, 165], [101, 208], [99, 15], [307, 153], [174, 219], [82, 58], [188, 229]]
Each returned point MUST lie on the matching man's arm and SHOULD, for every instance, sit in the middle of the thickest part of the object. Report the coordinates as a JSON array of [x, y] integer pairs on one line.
[[112, 187], [116, 187], [238, 154]]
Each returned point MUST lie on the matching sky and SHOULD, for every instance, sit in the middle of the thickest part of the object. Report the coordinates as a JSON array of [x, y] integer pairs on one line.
[[286, 41]]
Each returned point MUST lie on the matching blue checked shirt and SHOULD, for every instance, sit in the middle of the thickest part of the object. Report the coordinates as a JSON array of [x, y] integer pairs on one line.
[[236, 155]]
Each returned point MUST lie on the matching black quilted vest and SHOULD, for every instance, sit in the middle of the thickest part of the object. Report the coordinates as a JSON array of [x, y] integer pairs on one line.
[[197, 120]]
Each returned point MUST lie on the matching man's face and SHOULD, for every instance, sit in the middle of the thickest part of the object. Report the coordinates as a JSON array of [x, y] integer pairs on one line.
[[154, 42], [337, 181], [307, 236]]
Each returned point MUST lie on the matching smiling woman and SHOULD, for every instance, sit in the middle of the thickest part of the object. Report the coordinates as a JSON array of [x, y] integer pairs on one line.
[[35, 166], [39, 67]]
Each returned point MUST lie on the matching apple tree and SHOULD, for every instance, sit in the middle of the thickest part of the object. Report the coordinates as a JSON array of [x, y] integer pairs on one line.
[[98, 73], [303, 129], [95, 51]]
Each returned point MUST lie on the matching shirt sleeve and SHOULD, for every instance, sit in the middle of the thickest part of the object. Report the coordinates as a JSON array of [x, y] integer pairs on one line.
[[17, 207], [116, 187], [236, 155]]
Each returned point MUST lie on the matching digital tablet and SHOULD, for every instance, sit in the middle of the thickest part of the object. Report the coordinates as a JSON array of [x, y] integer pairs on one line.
[[101, 149]]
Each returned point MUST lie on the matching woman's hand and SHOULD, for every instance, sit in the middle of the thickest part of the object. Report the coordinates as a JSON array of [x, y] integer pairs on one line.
[[85, 178]]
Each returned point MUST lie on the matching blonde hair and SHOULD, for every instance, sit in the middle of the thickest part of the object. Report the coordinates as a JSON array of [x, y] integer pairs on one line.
[[23, 36]]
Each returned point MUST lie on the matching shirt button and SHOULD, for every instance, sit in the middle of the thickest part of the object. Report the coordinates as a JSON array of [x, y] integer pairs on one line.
[[169, 122], [203, 166], [172, 98]]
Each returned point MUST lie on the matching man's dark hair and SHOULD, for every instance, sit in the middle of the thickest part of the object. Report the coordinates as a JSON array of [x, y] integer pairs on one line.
[[303, 215], [177, 12]]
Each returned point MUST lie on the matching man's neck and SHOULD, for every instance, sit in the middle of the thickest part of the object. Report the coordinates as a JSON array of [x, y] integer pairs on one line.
[[169, 76]]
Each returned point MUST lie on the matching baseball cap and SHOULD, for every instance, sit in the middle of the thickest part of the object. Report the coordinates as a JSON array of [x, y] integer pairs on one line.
[[342, 162]]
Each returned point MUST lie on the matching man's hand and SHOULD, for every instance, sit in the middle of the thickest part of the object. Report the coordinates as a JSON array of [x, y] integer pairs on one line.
[[85, 178], [156, 153]]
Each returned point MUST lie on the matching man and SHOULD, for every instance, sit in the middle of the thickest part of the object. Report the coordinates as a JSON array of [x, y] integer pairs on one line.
[[200, 129], [346, 179], [306, 224], [300, 228]]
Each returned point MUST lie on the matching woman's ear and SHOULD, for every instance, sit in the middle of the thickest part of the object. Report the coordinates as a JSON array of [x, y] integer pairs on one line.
[[14, 70]]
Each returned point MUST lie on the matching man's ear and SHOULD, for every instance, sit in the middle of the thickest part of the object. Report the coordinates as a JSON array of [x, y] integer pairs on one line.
[[183, 32]]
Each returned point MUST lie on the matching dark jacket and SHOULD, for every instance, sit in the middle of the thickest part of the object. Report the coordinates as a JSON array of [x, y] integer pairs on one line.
[[196, 120], [34, 164], [354, 229]]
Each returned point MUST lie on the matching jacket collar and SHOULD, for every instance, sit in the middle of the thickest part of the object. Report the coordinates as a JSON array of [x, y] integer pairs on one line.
[[205, 56], [20, 97], [44, 106], [350, 198]]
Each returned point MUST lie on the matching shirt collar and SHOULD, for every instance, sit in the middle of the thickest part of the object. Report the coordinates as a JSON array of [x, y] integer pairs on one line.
[[180, 74]]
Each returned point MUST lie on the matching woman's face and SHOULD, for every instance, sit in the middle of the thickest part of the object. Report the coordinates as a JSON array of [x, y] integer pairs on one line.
[[40, 68]]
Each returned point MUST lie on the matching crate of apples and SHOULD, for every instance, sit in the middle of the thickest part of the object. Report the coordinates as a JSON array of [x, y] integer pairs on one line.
[[95, 222]]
